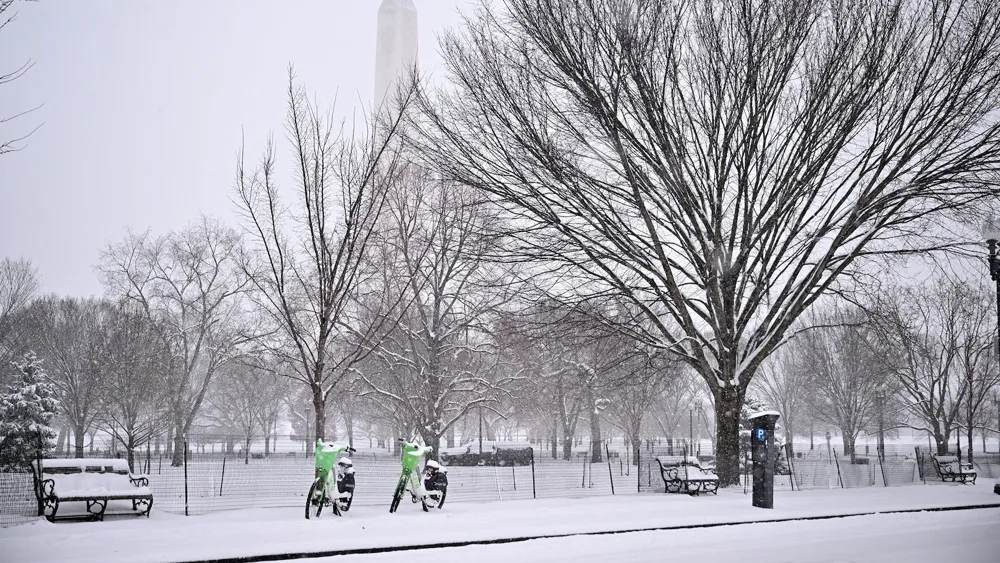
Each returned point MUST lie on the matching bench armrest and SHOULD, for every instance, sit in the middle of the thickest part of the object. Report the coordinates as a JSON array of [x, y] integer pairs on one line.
[[139, 480], [46, 488]]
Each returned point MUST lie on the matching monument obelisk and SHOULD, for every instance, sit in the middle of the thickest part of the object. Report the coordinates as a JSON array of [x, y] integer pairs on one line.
[[395, 46]]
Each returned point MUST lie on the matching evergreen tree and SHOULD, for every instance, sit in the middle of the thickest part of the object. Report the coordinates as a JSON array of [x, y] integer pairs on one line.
[[26, 409]]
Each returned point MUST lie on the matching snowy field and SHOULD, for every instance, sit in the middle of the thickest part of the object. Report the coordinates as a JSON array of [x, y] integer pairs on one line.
[[168, 537]]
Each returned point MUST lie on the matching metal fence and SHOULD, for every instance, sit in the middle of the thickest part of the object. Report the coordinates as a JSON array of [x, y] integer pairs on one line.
[[211, 482]]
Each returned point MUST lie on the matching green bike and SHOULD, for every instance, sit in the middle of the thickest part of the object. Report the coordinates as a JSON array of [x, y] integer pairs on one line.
[[338, 492], [430, 492]]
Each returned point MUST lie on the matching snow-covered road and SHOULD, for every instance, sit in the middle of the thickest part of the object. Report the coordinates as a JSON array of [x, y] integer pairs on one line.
[[971, 536]]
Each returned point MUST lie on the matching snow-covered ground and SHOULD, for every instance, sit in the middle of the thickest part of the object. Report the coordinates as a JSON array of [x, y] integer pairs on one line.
[[931, 537], [168, 537]]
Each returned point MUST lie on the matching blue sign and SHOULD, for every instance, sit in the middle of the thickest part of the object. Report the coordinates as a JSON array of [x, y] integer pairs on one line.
[[761, 434]]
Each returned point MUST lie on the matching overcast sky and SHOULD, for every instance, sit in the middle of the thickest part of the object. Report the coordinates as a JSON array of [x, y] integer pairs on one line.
[[143, 107]]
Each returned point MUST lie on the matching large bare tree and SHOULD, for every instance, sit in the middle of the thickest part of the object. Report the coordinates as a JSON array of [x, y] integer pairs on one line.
[[439, 361], [722, 164], [311, 261], [190, 285]]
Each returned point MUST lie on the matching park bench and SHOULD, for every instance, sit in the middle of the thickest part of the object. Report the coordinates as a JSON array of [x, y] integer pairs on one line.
[[94, 481], [686, 474], [951, 469]]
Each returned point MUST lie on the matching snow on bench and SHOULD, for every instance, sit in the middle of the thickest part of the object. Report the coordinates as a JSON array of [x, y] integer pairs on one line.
[[92, 480], [951, 469], [685, 473]]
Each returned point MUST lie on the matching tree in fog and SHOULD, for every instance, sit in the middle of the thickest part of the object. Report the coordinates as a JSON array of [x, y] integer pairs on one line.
[[784, 385], [19, 283], [190, 284], [848, 379], [721, 164], [135, 378], [246, 398], [310, 262], [10, 75], [439, 360], [977, 359], [71, 335], [923, 334]]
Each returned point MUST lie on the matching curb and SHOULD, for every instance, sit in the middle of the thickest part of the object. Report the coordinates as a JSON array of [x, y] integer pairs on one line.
[[464, 543]]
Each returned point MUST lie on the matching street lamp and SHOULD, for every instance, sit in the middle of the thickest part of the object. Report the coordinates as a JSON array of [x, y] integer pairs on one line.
[[991, 230]]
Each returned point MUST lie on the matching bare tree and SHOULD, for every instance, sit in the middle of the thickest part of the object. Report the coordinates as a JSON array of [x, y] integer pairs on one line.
[[7, 77], [71, 334], [783, 384], [439, 361], [134, 380], [310, 266], [924, 329], [722, 164], [847, 380], [19, 283], [191, 285], [977, 358], [246, 397]]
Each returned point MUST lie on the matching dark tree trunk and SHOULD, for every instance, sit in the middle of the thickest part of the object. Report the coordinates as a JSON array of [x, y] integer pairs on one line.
[[79, 436], [178, 458], [596, 443], [450, 436], [319, 411], [555, 439], [636, 441], [728, 403], [349, 426]]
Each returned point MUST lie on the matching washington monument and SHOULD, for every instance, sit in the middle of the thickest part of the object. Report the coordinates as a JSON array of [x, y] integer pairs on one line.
[[395, 45]]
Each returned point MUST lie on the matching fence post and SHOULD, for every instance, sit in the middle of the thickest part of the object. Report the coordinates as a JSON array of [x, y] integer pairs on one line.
[[583, 480], [611, 475], [223, 478], [38, 479], [513, 474], [532, 450], [185, 478], [791, 466], [148, 461], [837, 460]]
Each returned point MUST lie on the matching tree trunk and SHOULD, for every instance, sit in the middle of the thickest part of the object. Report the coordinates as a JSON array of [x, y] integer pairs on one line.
[[79, 435], [567, 442], [636, 442], [130, 453], [969, 434], [267, 445], [450, 436], [61, 438], [555, 439], [596, 456], [728, 403], [319, 410], [246, 450], [178, 458], [349, 426]]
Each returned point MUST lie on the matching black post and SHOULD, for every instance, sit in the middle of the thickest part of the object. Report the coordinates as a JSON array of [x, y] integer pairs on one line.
[[185, 478], [880, 404], [611, 476], [481, 430], [991, 242], [513, 475], [533, 494], [223, 478], [839, 478]]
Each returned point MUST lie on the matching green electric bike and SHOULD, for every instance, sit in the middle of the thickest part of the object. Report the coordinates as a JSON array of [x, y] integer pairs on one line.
[[429, 491], [331, 488]]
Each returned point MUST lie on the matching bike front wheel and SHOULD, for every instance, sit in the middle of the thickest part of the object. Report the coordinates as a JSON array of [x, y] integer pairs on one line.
[[398, 495], [315, 498]]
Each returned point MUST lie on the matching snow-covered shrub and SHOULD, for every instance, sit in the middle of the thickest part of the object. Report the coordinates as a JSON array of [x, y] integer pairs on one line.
[[26, 408]]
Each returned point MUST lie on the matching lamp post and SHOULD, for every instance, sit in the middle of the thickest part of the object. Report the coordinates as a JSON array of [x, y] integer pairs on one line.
[[992, 232]]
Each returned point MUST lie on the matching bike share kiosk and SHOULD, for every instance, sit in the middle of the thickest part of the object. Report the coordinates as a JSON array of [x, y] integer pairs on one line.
[[764, 457]]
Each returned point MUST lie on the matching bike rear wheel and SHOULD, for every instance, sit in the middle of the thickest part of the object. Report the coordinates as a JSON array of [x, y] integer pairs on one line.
[[398, 495]]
